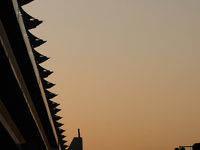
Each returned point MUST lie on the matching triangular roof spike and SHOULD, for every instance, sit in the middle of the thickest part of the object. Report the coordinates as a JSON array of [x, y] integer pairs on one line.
[[46, 84], [44, 72], [62, 136], [39, 58], [63, 141], [43, 69], [65, 146], [52, 108], [49, 95], [31, 36], [56, 110], [29, 21], [61, 131], [24, 2], [57, 117], [34, 41], [58, 124], [25, 15], [36, 53], [54, 104]]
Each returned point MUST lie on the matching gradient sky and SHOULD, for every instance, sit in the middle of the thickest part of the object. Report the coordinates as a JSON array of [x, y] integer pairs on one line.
[[127, 72]]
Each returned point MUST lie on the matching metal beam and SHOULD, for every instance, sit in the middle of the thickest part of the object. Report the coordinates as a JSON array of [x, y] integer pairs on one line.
[[8, 123], [15, 68], [35, 69]]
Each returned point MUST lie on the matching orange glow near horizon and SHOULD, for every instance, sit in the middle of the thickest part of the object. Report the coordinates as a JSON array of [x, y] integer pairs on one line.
[[127, 73]]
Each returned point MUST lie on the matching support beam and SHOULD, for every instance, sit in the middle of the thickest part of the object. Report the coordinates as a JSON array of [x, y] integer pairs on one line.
[[15, 68], [8, 123]]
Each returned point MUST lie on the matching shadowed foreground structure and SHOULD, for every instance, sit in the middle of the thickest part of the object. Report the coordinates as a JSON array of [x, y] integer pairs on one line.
[[28, 116]]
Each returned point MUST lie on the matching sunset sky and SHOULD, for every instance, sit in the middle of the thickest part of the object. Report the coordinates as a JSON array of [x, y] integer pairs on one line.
[[127, 72]]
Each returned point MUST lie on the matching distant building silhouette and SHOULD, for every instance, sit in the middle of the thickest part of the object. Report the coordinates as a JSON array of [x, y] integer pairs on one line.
[[195, 146], [76, 143]]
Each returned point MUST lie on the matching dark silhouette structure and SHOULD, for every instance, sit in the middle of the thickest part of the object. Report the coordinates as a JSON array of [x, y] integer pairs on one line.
[[28, 115], [77, 143], [195, 146]]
